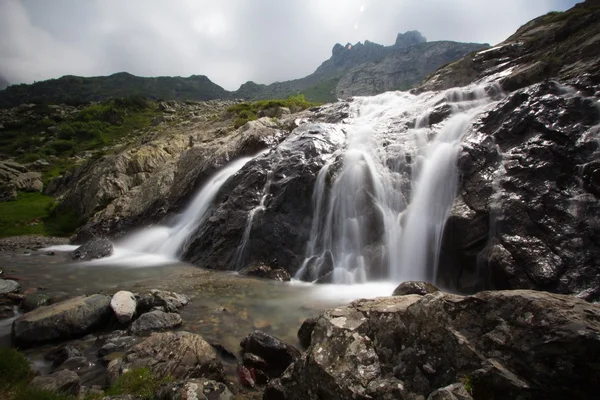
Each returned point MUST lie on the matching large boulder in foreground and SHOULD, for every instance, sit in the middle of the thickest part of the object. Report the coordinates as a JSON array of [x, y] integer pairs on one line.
[[65, 320], [180, 355], [507, 344]]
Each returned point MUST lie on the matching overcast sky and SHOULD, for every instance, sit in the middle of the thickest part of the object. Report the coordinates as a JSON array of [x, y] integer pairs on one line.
[[230, 41]]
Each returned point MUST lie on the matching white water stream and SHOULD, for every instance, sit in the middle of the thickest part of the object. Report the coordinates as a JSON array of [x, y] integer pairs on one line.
[[383, 217]]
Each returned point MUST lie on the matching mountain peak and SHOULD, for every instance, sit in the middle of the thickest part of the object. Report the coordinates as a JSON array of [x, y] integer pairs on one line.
[[409, 38]]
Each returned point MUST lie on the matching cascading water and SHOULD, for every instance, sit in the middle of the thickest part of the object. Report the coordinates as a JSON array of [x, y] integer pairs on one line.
[[381, 204], [170, 240]]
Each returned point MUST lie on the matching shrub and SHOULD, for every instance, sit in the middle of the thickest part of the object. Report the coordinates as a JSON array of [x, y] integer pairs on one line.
[[138, 382]]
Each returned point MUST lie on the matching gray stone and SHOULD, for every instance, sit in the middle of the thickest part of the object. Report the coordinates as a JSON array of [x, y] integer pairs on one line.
[[93, 249], [64, 381], [180, 355], [68, 319], [414, 287], [524, 344], [124, 305], [154, 321], [9, 286], [195, 389]]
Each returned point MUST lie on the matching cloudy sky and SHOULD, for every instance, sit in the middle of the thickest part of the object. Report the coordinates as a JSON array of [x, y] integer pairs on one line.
[[230, 41]]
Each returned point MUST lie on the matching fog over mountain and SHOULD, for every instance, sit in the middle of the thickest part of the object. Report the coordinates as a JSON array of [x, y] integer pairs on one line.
[[230, 41]]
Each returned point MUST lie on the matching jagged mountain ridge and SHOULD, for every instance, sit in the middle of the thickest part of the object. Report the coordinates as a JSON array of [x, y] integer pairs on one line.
[[329, 82]]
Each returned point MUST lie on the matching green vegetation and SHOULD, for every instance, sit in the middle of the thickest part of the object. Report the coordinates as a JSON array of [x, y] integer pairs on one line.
[[46, 133], [467, 381], [77, 90], [33, 214], [15, 375], [245, 112], [139, 382], [323, 92], [573, 13]]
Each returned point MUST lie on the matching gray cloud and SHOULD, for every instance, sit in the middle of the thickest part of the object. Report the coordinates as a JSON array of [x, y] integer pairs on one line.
[[230, 41]]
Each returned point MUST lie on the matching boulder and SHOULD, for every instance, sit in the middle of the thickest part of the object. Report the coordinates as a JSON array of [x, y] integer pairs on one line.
[[93, 249], [34, 300], [15, 177], [456, 391], [195, 389], [124, 305], [414, 287], [169, 301], [277, 354], [506, 344], [9, 286], [305, 331], [59, 355], [154, 321], [266, 272], [180, 355], [64, 320], [64, 381]]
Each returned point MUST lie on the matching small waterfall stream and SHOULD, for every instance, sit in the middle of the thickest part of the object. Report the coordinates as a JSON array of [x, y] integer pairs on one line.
[[170, 240], [383, 213]]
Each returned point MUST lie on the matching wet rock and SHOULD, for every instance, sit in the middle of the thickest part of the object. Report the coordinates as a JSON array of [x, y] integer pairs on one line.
[[277, 354], [246, 376], [253, 361], [64, 381], [169, 301], [95, 248], [34, 300], [154, 321], [414, 287], [266, 272], [195, 389], [116, 342], [65, 320], [60, 354], [522, 216], [456, 391], [305, 331], [124, 305], [529, 345], [9, 286], [180, 355], [274, 391]]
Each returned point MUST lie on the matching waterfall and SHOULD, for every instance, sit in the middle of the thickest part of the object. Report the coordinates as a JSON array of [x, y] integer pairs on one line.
[[170, 240], [381, 204]]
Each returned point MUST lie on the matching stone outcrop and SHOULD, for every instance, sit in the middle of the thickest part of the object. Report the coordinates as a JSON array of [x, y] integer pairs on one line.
[[269, 354], [64, 381], [180, 355], [64, 320], [507, 344], [266, 272], [557, 45], [15, 177], [526, 206]]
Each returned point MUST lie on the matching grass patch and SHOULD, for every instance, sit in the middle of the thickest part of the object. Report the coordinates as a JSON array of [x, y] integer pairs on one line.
[[34, 214], [138, 382], [245, 112], [25, 216]]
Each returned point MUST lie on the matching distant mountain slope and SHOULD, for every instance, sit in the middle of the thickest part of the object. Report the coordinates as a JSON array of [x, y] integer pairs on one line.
[[75, 89], [560, 45], [3, 83], [354, 69], [368, 68]]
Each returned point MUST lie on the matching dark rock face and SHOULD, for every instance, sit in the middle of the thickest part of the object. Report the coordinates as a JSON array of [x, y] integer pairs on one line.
[[280, 228], [526, 211], [276, 354], [65, 320], [305, 331], [413, 287], [266, 272], [95, 248], [155, 321], [180, 355], [526, 344]]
